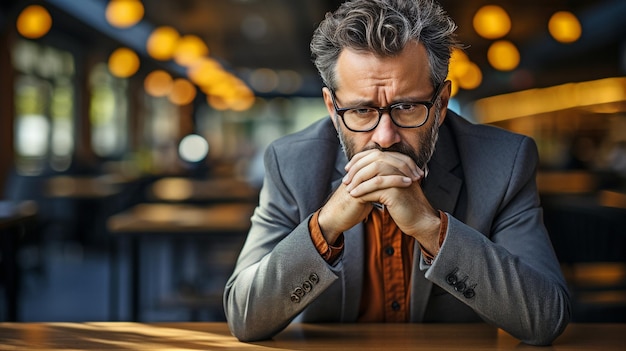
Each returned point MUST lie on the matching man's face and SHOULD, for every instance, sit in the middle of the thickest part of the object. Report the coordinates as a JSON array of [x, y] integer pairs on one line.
[[367, 80]]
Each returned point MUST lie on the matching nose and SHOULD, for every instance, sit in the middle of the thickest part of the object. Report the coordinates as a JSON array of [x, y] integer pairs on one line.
[[386, 132]]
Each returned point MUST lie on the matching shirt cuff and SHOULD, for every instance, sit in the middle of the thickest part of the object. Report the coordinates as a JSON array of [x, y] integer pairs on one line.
[[329, 252], [443, 229]]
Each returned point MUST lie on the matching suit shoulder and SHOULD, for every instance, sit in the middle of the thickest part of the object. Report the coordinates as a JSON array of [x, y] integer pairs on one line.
[[488, 135]]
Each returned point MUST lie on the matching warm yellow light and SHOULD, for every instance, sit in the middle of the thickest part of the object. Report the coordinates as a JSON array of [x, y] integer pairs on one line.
[[183, 92], [463, 72], [492, 22], [564, 27], [471, 78], [162, 43], [158, 83], [503, 55], [217, 102], [124, 13], [562, 97], [189, 50], [123, 63], [204, 71], [34, 22]]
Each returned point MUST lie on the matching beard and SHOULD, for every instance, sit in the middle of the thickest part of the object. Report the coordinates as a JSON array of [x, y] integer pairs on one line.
[[421, 156]]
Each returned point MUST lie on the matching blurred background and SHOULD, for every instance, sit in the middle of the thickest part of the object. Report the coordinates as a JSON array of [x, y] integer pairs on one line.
[[132, 132]]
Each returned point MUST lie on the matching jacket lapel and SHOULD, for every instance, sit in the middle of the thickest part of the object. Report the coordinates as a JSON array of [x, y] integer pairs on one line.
[[352, 258], [442, 187]]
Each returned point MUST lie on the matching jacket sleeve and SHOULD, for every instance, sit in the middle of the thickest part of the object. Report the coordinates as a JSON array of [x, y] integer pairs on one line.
[[279, 271], [510, 276]]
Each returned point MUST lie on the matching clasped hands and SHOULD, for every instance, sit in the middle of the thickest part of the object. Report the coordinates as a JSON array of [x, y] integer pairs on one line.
[[391, 179]]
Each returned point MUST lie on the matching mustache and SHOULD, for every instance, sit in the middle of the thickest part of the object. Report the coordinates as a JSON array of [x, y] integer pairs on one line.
[[399, 147]]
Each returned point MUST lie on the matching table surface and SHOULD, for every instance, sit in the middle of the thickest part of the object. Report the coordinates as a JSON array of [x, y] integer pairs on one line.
[[173, 218], [179, 189], [215, 336]]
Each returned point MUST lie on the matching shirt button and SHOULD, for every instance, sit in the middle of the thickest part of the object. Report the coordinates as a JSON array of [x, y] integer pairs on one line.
[[395, 305], [389, 250]]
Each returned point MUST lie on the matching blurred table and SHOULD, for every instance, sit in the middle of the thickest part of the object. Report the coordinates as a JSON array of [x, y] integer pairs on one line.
[[83, 186], [216, 336], [173, 221], [13, 216], [179, 189]]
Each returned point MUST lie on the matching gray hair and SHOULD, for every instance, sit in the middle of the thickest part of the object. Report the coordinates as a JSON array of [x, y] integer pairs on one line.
[[384, 27]]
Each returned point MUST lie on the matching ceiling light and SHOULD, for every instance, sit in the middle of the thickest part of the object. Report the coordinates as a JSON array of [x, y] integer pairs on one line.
[[158, 83], [162, 43], [471, 78], [123, 63], [492, 22], [183, 92], [124, 13], [503, 55], [189, 50], [34, 22], [564, 27]]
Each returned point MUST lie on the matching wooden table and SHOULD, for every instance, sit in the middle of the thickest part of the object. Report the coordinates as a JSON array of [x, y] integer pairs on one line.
[[179, 189], [346, 337], [172, 221], [13, 216]]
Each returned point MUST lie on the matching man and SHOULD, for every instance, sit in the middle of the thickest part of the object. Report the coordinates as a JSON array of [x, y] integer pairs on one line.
[[395, 209]]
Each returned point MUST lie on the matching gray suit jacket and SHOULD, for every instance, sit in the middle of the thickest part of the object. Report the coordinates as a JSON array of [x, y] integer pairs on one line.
[[496, 263]]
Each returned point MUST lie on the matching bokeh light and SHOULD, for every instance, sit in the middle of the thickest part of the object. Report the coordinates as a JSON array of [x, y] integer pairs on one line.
[[124, 13], [34, 22], [183, 92], [463, 72], [158, 83], [564, 27], [189, 50], [193, 148], [503, 55], [162, 43], [123, 63], [492, 22]]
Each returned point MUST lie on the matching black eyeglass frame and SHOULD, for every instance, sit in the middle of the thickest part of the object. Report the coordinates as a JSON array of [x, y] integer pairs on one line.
[[428, 104]]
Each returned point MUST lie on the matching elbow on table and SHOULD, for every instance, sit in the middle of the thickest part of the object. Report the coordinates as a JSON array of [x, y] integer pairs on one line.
[[247, 333], [550, 327], [247, 329]]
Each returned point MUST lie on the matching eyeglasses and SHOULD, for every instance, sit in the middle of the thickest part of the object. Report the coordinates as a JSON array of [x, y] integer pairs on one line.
[[410, 114]]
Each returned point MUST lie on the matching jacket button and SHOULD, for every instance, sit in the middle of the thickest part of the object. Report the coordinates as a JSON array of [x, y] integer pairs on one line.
[[460, 286], [295, 298], [452, 278], [313, 278], [395, 305], [389, 250], [469, 293], [299, 292], [307, 286]]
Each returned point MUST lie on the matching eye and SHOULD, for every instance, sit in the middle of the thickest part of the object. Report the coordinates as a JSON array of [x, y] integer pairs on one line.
[[363, 111], [405, 107]]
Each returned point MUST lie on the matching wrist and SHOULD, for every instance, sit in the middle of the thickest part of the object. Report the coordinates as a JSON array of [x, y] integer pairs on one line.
[[328, 231]]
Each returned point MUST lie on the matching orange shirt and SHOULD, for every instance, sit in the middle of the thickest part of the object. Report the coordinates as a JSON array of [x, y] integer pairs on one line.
[[388, 265]]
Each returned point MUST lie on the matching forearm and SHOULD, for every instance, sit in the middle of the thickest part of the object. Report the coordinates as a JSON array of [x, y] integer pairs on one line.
[[529, 302], [261, 299]]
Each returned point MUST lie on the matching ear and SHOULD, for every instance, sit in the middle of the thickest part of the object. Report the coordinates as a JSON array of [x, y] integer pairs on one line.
[[328, 101], [444, 95]]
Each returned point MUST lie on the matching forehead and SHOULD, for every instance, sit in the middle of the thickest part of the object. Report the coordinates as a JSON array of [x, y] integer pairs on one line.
[[366, 73]]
